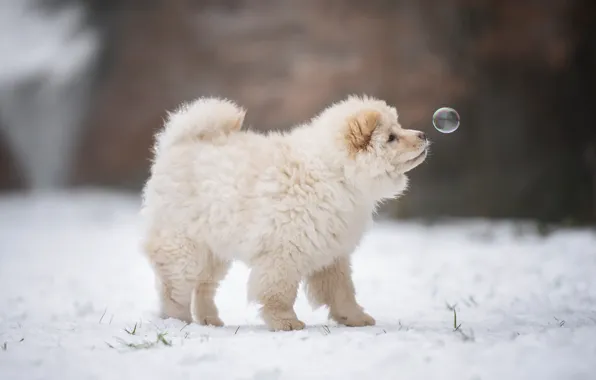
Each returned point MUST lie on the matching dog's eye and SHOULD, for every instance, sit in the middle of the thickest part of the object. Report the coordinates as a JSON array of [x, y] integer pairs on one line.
[[392, 137]]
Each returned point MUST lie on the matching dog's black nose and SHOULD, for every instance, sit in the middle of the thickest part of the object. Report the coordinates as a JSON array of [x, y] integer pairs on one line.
[[422, 136]]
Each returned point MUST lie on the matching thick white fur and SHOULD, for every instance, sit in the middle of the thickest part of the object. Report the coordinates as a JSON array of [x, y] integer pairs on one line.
[[292, 206]]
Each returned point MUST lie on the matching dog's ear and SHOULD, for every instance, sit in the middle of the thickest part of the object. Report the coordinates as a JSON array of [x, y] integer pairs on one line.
[[360, 129]]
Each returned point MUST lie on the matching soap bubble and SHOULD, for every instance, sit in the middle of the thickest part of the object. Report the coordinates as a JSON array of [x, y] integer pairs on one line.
[[446, 120]]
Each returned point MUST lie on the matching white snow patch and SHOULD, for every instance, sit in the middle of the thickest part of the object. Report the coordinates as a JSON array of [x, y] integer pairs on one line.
[[72, 278]]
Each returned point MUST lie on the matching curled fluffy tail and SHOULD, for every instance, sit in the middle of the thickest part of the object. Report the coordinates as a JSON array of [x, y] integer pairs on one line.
[[203, 119]]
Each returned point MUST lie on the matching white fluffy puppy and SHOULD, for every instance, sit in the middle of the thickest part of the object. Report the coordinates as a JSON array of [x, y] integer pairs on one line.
[[293, 206]]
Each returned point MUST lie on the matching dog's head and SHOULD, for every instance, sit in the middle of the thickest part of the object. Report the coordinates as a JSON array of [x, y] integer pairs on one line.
[[381, 150]]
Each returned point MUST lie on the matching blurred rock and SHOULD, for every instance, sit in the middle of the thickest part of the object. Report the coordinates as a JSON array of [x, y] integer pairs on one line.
[[10, 175]]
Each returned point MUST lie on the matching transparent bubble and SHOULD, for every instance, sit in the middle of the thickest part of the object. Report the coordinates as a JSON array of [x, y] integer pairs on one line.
[[446, 120]]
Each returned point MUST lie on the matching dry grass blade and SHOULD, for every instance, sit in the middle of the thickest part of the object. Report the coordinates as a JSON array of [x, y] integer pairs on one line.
[[133, 331]]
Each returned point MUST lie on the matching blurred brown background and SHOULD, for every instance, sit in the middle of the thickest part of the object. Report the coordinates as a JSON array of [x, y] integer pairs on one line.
[[522, 75]]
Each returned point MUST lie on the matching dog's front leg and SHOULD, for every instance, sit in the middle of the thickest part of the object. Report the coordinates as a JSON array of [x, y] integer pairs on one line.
[[333, 286], [274, 285]]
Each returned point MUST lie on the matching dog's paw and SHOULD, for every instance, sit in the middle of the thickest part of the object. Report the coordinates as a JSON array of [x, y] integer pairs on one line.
[[354, 319], [176, 313], [285, 325], [210, 321]]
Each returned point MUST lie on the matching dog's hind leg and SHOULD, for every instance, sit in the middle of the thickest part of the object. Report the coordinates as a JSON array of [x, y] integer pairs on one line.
[[211, 271], [175, 298], [175, 266]]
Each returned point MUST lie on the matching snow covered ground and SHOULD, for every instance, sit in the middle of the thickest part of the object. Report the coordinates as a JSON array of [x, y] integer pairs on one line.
[[72, 279]]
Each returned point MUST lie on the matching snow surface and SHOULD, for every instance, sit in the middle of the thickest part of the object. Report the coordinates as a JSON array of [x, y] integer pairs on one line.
[[72, 278]]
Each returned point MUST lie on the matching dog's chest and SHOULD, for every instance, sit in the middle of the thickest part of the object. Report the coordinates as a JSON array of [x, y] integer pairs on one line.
[[326, 236], [323, 217], [349, 236]]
